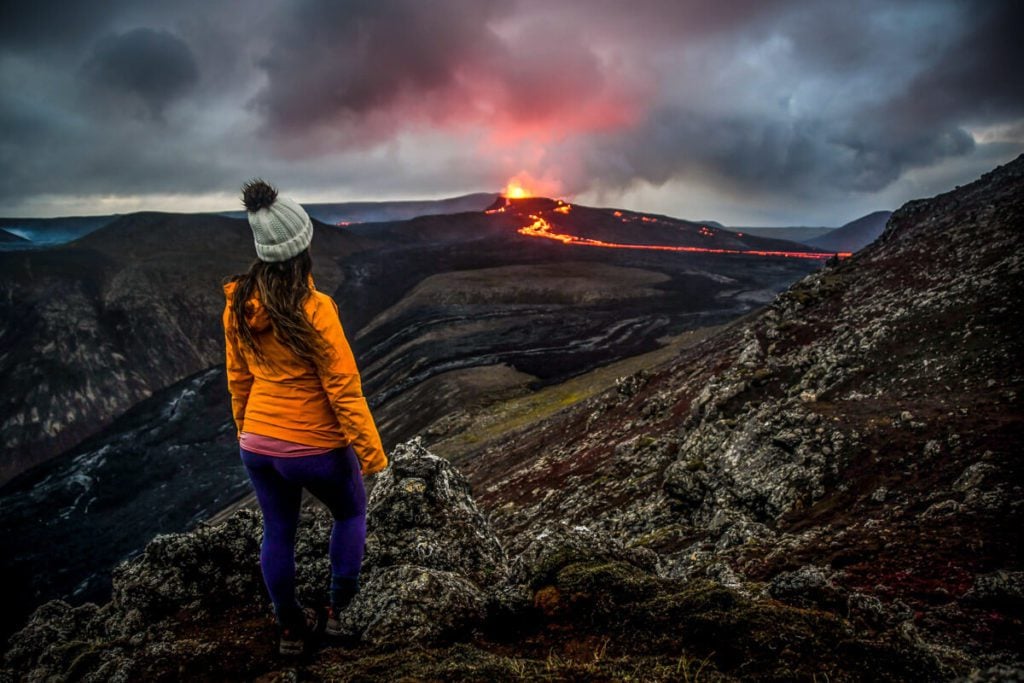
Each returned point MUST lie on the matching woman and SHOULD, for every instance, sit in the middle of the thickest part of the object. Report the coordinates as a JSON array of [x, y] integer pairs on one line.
[[301, 417]]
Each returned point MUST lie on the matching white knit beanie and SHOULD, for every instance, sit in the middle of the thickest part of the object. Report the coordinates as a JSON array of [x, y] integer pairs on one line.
[[281, 228]]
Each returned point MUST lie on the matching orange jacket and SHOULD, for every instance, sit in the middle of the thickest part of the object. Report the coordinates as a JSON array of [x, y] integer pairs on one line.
[[288, 399]]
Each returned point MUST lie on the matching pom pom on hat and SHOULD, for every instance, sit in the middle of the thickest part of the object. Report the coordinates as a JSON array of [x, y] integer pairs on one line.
[[257, 195], [281, 228]]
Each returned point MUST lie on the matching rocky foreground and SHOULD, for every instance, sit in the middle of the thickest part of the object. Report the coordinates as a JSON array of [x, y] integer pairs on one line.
[[828, 489], [441, 600]]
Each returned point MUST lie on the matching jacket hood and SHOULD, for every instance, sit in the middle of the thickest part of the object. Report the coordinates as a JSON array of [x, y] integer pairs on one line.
[[255, 312]]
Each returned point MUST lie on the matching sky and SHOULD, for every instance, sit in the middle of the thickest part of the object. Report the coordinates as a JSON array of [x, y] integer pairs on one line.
[[766, 112]]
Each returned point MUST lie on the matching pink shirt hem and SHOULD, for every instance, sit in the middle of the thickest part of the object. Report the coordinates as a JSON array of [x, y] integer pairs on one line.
[[268, 445]]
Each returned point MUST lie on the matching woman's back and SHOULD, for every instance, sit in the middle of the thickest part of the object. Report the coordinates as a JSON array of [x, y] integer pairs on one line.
[[287, 397]]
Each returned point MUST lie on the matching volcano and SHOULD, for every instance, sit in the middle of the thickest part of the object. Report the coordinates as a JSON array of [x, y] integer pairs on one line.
[[576, 225]]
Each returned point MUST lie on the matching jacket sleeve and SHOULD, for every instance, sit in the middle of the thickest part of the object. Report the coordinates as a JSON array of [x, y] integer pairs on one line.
[[239, 377], [341, 382]]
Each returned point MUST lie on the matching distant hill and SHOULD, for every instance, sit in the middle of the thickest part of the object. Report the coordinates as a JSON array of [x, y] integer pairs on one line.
[[854, 235], [376, 212], [796, 234], [44, 232], [108, 319]]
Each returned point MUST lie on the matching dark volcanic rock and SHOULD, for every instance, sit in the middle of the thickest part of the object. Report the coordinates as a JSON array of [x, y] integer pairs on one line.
[[193, 574], [809, 585], [998, 589], [390, 608], [562, 545], [421, 512], [576, 604]]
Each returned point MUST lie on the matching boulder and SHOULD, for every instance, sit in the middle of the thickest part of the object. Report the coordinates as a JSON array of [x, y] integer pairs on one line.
[[421, 512], [407, 603]]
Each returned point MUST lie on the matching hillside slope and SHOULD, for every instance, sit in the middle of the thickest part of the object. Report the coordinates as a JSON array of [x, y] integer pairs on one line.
[[861, 432]]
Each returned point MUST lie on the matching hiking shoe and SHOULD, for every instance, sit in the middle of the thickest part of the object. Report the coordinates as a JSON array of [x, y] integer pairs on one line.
[[333, 626], [293, 637], [343, 590]]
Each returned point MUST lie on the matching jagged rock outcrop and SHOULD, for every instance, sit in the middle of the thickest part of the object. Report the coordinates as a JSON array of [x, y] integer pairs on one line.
[[178, 576], [430, 558], [425, 536], [192, 606], [561, 545], [420, 511], [391, 610]]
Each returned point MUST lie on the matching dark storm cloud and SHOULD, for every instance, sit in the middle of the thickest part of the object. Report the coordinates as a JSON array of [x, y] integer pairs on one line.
[[343, 76], [979, 79], [353, 63], [53, 25], [357, 57], [862, 147], [157, 67], [643, 21], [802, 158], [358, 66], [796, 98]]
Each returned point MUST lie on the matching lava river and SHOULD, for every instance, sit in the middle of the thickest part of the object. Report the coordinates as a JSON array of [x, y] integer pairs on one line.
[[543, 228]]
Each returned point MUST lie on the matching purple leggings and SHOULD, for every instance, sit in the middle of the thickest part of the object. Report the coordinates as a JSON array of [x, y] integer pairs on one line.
[[334, 478]]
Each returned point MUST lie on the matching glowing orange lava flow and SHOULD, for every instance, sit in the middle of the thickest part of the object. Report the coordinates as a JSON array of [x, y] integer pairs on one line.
[[541, 228]]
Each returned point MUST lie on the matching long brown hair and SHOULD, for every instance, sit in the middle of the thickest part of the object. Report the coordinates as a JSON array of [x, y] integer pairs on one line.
[[283, 288]]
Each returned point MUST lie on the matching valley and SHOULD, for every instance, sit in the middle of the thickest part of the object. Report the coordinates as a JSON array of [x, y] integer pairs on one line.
[[448, 315]]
